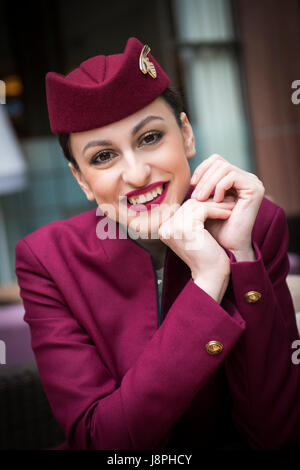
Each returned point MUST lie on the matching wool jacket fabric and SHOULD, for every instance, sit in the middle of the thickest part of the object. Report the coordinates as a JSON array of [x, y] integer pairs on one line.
[[120, 374]]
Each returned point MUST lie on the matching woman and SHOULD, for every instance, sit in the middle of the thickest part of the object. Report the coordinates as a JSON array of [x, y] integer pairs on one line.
[[208, 366]]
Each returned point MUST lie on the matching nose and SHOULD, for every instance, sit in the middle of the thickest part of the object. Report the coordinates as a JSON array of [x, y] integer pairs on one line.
[[136, 172]]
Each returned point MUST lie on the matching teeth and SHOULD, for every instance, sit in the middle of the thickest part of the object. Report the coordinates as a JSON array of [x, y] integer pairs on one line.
[[147, 196]]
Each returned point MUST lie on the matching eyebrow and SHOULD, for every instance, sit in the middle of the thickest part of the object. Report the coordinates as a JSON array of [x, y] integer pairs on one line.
[[144, 122], [135, 130], [96, 143]]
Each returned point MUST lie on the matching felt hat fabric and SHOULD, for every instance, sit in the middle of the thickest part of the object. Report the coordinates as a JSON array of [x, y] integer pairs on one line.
[[104, 89]]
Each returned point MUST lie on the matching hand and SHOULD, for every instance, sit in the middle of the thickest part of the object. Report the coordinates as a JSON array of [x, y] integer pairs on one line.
[[230, 183], [185, 234]]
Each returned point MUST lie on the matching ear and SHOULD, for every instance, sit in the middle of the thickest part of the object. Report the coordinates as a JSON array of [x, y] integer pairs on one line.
[[188, 136], [82, 182]]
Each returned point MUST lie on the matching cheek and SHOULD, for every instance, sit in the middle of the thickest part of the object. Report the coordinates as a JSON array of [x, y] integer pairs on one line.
[[102, 187], [175, 161]]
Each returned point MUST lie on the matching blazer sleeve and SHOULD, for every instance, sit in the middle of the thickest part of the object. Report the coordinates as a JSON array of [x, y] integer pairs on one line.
[[264, 381], [94, 411]]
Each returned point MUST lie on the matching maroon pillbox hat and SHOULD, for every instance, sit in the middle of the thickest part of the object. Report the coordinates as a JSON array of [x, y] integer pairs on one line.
[[104, 89]]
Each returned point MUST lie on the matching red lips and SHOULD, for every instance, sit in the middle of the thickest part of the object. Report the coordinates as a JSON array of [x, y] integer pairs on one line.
[[145, 189], [148, 206]]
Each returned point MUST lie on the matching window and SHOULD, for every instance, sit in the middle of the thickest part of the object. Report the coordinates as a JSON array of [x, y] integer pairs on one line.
[[207, 49]]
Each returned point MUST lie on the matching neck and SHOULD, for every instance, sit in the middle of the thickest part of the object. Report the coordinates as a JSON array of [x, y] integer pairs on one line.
[[157, 249], [154, 245]]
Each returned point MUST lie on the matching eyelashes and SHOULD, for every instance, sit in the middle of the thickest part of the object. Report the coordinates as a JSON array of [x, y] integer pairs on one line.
[[107, 155], [102, 157], [150, 138]]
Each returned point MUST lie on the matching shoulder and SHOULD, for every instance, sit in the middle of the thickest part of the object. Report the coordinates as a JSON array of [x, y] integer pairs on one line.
[[79, 224], [61, 238]]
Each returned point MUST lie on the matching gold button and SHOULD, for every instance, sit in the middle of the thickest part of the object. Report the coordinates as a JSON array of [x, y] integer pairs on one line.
[[214, 347], [252, 296]]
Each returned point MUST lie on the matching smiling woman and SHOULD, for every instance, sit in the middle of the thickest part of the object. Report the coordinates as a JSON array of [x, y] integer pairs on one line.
[[155, 337], [144, 151]]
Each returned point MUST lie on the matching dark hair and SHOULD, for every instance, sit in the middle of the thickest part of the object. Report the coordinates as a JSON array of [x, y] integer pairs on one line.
[[171, 97]]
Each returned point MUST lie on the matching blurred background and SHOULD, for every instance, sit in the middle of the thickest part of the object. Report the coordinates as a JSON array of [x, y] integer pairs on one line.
[[235, 63]]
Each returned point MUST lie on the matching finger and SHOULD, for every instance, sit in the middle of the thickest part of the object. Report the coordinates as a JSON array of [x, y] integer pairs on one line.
[[201, 178], [226, 204], [223, 185], [215, 213], [203, 167], [229, 197], [188, 213], [185, 222], [207, 183], [228, 201]]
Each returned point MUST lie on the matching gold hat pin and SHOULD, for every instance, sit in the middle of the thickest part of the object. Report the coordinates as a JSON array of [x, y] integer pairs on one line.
[[145, 65]]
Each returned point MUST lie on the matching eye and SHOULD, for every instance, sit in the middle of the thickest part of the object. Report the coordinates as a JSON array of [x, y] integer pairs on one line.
[[150, 138], [102, 157]]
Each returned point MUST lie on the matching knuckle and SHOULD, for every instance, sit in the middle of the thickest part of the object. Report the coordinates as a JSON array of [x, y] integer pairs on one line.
[[189, 204], [216, 156], [258, 183], [229, 166]]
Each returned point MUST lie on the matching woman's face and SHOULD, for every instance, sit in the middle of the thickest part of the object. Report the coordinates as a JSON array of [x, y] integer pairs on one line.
[[146, 148]]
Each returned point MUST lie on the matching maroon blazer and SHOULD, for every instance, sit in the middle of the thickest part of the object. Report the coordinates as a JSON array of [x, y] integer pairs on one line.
[[120, 374]]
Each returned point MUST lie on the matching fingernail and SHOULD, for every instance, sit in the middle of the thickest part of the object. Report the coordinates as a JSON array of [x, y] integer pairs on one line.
[[193, 179]]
